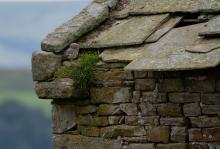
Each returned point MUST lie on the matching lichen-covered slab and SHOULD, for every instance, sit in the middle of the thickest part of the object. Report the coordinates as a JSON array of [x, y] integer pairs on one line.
[[121, 55], [169, 53], [70, 31], [203, 48], [130, 31], [170, 6], [165, 28], [213, 28]]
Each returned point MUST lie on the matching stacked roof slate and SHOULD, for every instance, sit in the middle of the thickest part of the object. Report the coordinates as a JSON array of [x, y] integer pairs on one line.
[[149, 34]]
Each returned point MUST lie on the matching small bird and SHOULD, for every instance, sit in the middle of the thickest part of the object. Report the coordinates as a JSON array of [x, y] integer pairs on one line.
[[72, 52]]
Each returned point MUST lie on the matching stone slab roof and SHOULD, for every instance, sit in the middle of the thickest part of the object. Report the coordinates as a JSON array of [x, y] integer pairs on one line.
[[149, 34]]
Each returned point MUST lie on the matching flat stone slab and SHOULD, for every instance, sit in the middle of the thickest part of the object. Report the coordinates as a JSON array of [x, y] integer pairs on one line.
[[165, 28], [132, 31], [137, 7], [170, 52], [203, 48]]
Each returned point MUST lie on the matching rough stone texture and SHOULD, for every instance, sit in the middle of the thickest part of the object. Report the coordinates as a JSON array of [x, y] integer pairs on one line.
[[147, 109], [192, 109], [211, 99], [88, 19], [196, 145], [57, 89], [205, 135], [110, 95], [169, 110], [193, 85], [184, 97], [173, 121], [141, 146], [171, 85], [64, 118], [145, 84], [108, 109], [122, 130], [89, 131], [136, 97], [211, 109], [86, 109], [147, 121], [158, 134], [178, 134], [153, 97], [129, 108], [127, 32], [218, 85], [44, 65], [172, 146], [115, 120], [89, 120], [72, 52], [204, 121]]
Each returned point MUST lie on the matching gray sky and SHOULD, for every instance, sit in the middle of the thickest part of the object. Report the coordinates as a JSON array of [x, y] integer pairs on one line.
[[24, 24]]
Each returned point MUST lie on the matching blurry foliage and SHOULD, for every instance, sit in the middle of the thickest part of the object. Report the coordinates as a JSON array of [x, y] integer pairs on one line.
[[23, 128], [83, 73]]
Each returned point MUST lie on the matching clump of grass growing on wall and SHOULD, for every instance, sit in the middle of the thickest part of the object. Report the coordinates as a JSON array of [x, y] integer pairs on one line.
[[81, 74]]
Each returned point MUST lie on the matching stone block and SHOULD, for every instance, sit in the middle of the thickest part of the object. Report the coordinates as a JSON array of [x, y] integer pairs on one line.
[[171, 85], [141, 146], [158, 134], [192, 109], [196, 145], [141, 139], [184, 97], [153, 97], [178, 134], [136, 97], [115, 120], [64, 118], [140, 74], [129, 108], [110, 95], [172, 146], [109, 109], [89, 131], [44, 65], [123, 131], [204, 121], [89, 120], [193, 85], [57, 89], [147, 109], [204, 135], [169, 110], [145, 84], [86, 109], [137, 120], [172, 121], [211, 99], [211, 109]]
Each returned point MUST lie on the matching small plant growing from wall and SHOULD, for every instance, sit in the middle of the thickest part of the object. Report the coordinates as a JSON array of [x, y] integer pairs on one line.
[[82, 74]]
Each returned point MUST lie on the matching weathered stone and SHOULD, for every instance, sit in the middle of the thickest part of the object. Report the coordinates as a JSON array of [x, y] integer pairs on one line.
[[123, 33], [89, 131], [82, 142], [72, 52], [57, 89], [211, 109], [178, 134], [109, 3], [110, 95], [141, 146], [204, 121], [193, 85], [140, 74], [147, 109], [44, 65], [203, 48], [205, 135], [196, 145], [136, 97], [218, 85], [169, 110], [122, 130], [172, 146], [145, 84], [86, 109], [141, 139], [153, 97], [70, 31], [89, 120], [102, 64], [212, 99], [163, 29], [147, 121], [109, 109], [64, 118], [172, 121], [115, 120], [171, 85], [129, 108], [191, 109], [171, 54], [184, 97], [158, 134]]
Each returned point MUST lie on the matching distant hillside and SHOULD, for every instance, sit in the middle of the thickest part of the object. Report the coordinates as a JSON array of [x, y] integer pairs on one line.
[[18, 85]]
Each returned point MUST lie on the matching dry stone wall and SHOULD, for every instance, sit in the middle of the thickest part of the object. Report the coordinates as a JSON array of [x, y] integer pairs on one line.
[[142, 110]]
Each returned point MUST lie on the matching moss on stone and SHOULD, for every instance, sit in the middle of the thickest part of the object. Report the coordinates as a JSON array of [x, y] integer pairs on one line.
[[81, 74]]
